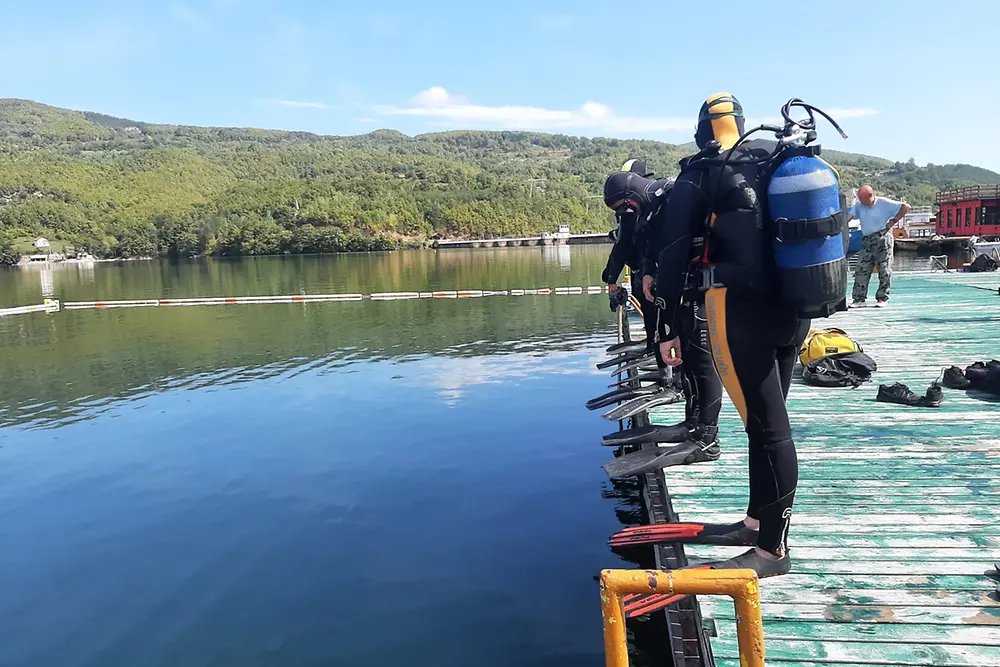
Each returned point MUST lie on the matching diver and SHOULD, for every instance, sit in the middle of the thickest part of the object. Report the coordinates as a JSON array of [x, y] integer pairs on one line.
[[630, 241], [634, 197], [754, 335]]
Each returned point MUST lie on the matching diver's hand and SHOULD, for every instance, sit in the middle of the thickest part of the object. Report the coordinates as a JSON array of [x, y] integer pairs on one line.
[[670, 350], [647, 287]]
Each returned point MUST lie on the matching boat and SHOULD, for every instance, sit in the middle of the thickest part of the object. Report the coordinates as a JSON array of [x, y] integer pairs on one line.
[[989, 246]]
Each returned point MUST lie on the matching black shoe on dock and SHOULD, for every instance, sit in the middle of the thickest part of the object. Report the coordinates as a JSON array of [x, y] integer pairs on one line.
[[954, 378]]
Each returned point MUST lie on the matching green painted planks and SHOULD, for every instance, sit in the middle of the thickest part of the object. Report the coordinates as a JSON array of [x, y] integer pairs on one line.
[[719, 608], [985, 557], [881, 597], [897, 520], [794, 581], [898, 633], [875, 567], [937, 655]]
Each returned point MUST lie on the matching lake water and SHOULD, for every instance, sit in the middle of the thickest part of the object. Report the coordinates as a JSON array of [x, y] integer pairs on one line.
[[374, 483]]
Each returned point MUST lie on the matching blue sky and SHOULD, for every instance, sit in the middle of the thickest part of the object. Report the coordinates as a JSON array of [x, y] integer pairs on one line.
[[903, 75]]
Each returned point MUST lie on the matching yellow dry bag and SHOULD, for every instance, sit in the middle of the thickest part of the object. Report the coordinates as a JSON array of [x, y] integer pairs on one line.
[[821, 342]]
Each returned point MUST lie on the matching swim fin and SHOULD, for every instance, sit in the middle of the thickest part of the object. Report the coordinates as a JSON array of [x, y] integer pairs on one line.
[[624, 358], [625, 345], [620, 395], [667, 396], [648, 434], [719, 534], [643, 364], [640, 604], [751, 560], [655, 458], [650, 376]]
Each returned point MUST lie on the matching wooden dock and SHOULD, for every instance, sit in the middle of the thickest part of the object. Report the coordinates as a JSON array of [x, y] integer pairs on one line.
[[897, 518]]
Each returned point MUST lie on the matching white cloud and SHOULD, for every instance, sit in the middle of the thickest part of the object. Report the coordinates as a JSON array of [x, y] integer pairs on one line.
[[438, 105], [441, 107], [299, 104], [437, 97], [189, 17]]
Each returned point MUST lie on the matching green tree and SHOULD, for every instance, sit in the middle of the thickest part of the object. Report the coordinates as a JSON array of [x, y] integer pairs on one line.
[[8, 255]]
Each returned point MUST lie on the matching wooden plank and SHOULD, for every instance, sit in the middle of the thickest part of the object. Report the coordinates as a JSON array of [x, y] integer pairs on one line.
[[890, 519], [883, 540], [718, 608], [794, 581], [878, 567], [846, 495], [686, 487], [985, 557], [895, 633], [828, 509], [871, 653], [915, 597]]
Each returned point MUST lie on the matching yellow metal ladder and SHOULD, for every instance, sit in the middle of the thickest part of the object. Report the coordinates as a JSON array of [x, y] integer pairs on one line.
[[741, 585]]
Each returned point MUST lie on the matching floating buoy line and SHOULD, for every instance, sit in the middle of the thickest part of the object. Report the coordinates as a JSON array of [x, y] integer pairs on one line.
[[54, 305]]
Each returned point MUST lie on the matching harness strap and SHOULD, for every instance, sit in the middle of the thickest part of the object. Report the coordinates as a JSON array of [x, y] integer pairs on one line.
[[802, 230]]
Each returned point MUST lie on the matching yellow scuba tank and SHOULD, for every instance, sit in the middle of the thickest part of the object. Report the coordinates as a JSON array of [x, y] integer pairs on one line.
[[821, 342]]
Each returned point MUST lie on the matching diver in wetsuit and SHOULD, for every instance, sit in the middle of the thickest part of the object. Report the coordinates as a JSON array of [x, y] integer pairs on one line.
[[754, 336], [634, 198], [631, 236]]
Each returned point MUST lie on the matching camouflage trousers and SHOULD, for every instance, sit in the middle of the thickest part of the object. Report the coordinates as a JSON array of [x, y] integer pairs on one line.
[[876, 250]]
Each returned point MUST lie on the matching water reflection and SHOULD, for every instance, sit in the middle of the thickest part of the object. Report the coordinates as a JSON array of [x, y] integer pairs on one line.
[[68, 366], [561, 255]]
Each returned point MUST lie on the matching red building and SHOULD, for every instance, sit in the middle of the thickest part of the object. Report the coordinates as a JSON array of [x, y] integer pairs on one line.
[[972, 211]]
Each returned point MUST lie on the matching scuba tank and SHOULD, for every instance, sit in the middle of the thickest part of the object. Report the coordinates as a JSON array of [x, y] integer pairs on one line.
[[810, 235], [782, 232]]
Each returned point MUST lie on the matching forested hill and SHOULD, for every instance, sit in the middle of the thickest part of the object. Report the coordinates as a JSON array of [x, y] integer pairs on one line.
[[119, 187]]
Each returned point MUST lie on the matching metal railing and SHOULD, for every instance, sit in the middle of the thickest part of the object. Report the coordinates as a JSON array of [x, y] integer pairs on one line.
[[968, 193], [741, 585]]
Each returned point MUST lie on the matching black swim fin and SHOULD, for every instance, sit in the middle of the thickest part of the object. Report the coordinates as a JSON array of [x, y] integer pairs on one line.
[[650, 376], [655, 458], [667, 396], [751, 560], [620, 395], [644, 364], [625, 345], [648, 434], [624, 358], [719, 534]]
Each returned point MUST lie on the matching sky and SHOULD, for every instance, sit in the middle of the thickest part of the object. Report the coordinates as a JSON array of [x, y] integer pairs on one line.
[[903, 78]]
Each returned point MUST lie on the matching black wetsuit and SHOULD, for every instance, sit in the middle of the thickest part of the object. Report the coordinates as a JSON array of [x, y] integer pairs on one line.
[[754, 338], [701, 381], [628, 250], [634, 233]]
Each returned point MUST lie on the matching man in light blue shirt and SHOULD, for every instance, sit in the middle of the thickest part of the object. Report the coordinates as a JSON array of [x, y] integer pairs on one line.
[[877, 216]]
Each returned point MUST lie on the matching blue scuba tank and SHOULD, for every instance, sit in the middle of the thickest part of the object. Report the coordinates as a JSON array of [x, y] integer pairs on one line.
[[810, 236]]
